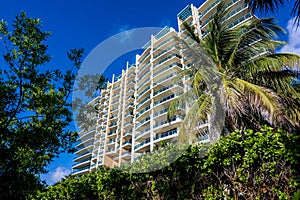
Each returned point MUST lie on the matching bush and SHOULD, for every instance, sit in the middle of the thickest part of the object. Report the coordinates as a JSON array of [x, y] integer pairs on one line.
[[243, 165]]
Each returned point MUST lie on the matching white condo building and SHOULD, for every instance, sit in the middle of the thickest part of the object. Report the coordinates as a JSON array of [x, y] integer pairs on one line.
[[132, 117]]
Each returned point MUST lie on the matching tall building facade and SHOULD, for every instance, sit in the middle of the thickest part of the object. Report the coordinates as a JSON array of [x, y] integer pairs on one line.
[[132, 118]]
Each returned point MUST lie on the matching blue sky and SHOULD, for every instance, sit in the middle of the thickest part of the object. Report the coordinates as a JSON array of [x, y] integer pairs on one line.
[[79, 23]]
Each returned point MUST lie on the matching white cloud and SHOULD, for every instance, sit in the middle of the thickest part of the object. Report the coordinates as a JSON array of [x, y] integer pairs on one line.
[[293, 45], [58, 174], [123, 31]]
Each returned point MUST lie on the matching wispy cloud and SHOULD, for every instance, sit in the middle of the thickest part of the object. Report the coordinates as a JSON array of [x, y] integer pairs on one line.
[[58, 174], [122, 29], [293, 45]]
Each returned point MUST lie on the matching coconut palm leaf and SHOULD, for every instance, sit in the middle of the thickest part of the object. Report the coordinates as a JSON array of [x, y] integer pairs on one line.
[[273, 5], [241, 75], [265, 5], [201, 108]]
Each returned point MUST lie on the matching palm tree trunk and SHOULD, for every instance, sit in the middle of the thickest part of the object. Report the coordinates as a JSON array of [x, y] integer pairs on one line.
[[216, 119]]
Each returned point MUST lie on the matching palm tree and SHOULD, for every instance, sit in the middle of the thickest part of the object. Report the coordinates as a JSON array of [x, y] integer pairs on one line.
[[273, 5], [238, 81]]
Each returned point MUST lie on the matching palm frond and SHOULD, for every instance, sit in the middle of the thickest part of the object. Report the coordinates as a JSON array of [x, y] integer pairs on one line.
[[235, 105], [182, 102], [198, 112], [263, 101], [265, 5], [269, 63], [296, 12], [199, 59]]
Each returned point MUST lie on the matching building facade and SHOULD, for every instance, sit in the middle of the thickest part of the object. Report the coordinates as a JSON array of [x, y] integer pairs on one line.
[[132, 118]]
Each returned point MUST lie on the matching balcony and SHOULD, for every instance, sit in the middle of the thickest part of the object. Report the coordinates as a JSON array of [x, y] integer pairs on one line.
[[163, 43], [93, 165], [166, 98], [147, 119], [126, 154], [244, 18], [174, 119], [94, 156], [127, 133], [166, 134], [143, 84], [110, 150], [209, 8], [234, 12], [130, 90], [143, 92], [142, 111], [144, 75], [112, 133], [97, 141], [130, 98], [85, 147], [113, 117], [118, 138], [165, 78], [166, 68], [166, 88], [81, 170], [143, 101], [174, 55], [130, 74], [100, 162], [142, 133], [111, 141], [163, 111], [144, 67], [127, 142], [86, 133], [114, 103], [130, 105], [131, 82], [115, 109], [145, 57], [116, 88], [128, 124], [116, 157], [78, 157], [116, 95], [207, 21], [86, 140], [168, 50], [81, 163], [129, 113], [113, 125], [144, 143]]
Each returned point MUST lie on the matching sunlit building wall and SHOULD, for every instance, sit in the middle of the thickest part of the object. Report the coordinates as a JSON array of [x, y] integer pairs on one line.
[[132, 118]]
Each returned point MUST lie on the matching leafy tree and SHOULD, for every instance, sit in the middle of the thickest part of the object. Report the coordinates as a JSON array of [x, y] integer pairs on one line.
[[244, 165], [254, 165], [237, 72], [160, 158], [88, 87], [35, 109]]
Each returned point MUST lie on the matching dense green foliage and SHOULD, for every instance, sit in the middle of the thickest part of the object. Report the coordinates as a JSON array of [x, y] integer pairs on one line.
[[244, 165], [35, 108]]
